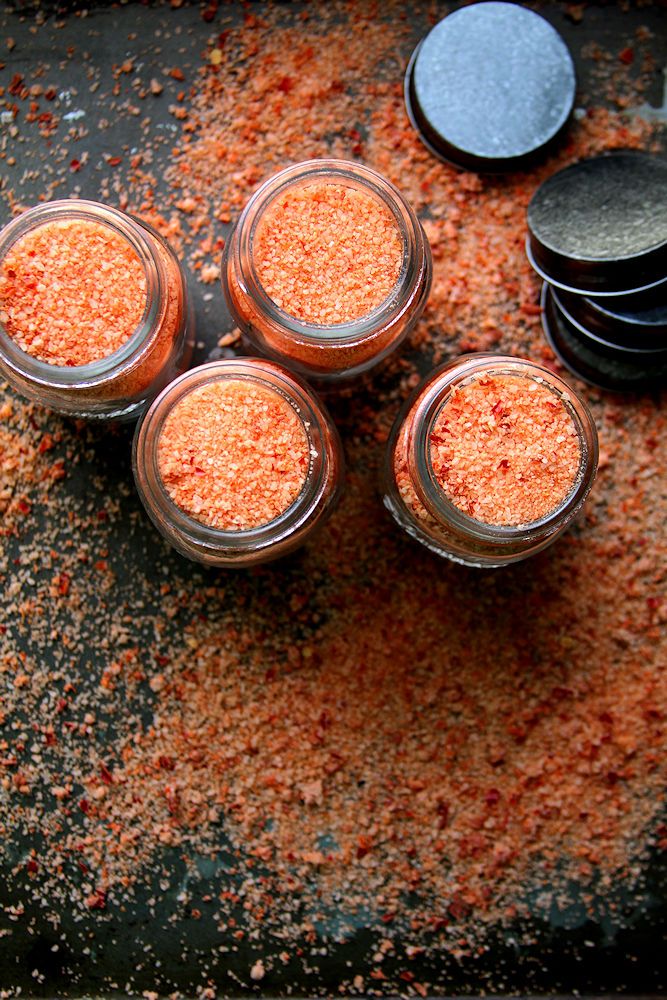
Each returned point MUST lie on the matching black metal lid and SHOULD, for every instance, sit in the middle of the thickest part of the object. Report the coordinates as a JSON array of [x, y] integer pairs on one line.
[[604, 365], [619, 321], [489, 86], [600, 225]]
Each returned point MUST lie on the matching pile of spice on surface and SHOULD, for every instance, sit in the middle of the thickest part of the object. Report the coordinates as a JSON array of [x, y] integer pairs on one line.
[[361, 771], [323, 238], [505, 450], [59, 292], [233, 455]]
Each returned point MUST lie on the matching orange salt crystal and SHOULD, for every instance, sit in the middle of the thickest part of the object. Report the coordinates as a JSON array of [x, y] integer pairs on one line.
[[505, 449], [326, 253], [72, 291], [233, 454]]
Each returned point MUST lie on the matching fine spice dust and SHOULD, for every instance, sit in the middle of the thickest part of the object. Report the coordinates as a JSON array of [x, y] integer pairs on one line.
[[364, 771], [327, 253], [59, 292], [505, 449], [233, 454]]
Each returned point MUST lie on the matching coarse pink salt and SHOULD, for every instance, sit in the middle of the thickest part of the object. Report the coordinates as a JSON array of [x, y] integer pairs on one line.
[[326, 253], [505, 449], [72, 291], [233, 454]]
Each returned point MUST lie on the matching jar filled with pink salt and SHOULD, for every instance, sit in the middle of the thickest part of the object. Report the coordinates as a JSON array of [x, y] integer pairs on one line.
[[237, 462], [490, 460], [94, 311], [327, 269]]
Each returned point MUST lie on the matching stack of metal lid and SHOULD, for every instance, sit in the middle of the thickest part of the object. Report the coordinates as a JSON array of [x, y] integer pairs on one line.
[[597, 234]]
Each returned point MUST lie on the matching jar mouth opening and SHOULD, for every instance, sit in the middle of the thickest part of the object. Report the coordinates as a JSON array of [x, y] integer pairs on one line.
[[437, 497], [354, 176], [268, 531], [93, 372]]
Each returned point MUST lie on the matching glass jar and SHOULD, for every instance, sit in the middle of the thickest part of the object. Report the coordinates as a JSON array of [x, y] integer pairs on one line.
[[356, 303], [83, 293], [462, 468], [167, 458]]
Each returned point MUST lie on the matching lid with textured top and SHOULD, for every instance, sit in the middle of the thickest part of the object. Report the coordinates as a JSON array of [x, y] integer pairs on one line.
[[489, 86], [600, 225]]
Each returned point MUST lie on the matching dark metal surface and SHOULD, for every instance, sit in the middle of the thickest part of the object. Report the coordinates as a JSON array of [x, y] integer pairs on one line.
[[490, 86], [600, 226], [625, 323], [599, 362]]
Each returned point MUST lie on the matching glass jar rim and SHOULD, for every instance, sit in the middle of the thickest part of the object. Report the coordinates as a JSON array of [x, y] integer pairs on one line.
[[431, 493], [251, 369], [302, 173], [94, 372]]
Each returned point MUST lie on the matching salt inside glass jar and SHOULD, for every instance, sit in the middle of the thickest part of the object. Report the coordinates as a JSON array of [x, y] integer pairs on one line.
[[237, 462], [327, 269], [94, 310], [490, 460]]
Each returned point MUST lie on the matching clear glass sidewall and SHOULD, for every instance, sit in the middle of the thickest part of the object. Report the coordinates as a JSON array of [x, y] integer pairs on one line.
[[120, 385]]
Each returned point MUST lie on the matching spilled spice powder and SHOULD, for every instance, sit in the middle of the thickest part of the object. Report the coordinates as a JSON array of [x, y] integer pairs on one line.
[[233, 454], [355, 742], [505, 449], [327, 253], [59, 288]]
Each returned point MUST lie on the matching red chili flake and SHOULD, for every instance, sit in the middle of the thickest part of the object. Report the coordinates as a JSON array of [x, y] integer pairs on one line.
[[23, 506], [32, 866], [16, 85], [627, 55], [166, 763], [162, 660], [561, 693], [97, 900], [652, 714], [61, 705], [173, 801], [518, 733], [84, 806], [106, 775], [75, 165], [64, 580], [492, 797], [459, 909], [177, 73], [209, 12], [286, 84], [442, 809], [364, 845], [46, 444], [531, 309], [113, 161]]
